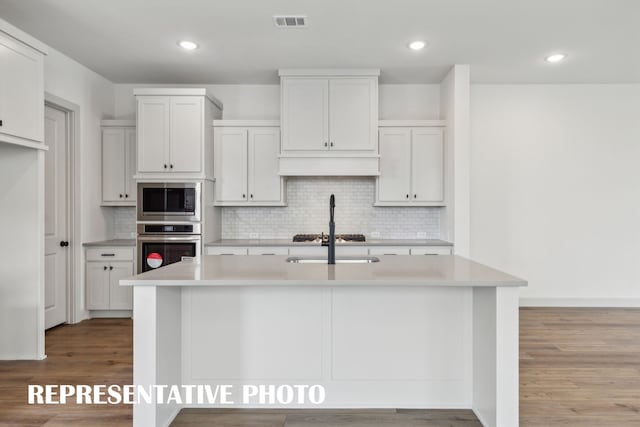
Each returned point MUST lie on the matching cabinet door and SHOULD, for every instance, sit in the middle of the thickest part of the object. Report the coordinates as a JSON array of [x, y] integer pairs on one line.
[[187, 134], [427, 165], [394, 182], [153, 133], [265, 185], [231, 164], [305, 121], [353, 114], [21, 90], [130, 165], [97, 285], [113, 165], [120, 297]]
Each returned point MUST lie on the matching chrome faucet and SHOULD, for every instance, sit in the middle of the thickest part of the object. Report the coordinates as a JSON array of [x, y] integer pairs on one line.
[[331, 243]]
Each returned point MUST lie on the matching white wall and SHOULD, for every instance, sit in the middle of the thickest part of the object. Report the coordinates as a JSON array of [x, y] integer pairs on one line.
[[555, 189], [414, 101], [73, 82], [22, 253]]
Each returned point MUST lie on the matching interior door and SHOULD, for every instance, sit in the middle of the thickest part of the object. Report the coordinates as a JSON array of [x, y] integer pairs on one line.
[[428, 165], [264, 181], [55, 295]]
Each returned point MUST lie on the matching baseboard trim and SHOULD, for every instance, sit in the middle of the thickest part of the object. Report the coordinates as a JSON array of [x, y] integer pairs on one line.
[[580, 302]]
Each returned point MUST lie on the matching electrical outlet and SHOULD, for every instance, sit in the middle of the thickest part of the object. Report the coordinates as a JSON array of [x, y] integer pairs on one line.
[[375, 234], [421, 235], [254, 236]]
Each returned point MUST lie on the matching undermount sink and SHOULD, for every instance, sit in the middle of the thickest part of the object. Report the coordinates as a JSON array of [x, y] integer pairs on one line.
[[339, 260]]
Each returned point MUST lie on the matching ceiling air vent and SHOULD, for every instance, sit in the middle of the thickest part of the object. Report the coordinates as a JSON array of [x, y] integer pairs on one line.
[[290, 21]]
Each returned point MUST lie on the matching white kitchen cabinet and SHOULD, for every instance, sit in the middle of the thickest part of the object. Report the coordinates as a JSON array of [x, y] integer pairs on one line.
[[21, 88], [104, 268], [246, 165], [174, 132], [329, 114], [118, 163], [411, 167], [431, 250], [389, 250], [329, 122], [226, 250]]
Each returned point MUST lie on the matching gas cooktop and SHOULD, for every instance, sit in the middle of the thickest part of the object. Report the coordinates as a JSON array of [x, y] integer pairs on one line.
[[319, 238]]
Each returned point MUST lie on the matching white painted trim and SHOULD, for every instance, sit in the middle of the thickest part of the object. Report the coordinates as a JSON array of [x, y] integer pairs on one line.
[[412, 123], [23, 37], [118, 123], [9, 139], [580, 302], [329, 166], [246, 123], [328, 72], [178, 91], [75, 311]]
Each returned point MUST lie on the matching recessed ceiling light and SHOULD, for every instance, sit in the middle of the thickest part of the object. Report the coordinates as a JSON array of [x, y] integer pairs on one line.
[[556, 57], [417, 45], [187, 45]]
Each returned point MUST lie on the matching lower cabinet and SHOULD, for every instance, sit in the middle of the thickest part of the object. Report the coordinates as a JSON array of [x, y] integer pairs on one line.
[[308, 250], [104, 269]]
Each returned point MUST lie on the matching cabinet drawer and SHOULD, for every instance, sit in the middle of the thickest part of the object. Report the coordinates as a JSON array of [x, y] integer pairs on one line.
[[269, 250], [216, 250], [389, 250], [431, 250], [110, 254]]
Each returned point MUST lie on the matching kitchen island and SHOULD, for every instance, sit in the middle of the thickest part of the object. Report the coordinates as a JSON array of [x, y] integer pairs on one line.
[[404, 332]]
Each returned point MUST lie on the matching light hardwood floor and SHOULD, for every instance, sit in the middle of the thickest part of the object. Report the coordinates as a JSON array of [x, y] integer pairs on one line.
[[578, 368]]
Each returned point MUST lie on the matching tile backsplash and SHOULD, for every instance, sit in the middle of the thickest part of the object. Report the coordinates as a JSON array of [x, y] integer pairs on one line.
[[124, 222], [308, 212]]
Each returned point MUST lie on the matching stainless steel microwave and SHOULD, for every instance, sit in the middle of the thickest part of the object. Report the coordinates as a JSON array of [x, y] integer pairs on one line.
[[169, 201]]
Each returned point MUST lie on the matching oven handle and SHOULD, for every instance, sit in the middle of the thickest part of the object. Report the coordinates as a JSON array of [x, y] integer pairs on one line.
[[171, 238]]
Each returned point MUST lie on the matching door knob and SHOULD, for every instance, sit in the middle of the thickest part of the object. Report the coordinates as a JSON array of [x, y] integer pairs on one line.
[[64, 244]]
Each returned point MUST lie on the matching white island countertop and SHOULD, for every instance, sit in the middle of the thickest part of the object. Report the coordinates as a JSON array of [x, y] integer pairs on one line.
[[259, 270]]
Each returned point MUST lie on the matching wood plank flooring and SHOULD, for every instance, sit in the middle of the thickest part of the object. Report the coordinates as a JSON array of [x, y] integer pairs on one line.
[[578, 367]]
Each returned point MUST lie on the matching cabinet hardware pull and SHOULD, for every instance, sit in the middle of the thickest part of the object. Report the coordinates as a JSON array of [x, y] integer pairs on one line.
[[105, 268], [325, 144], [391, 254], [171, 166], [64, 244], [267, 254], [331, 144], [107, 254], [244, 196], [415, 196], [121, 196], [111, 267], [252, 196], [165, 166], [407, 196], [0, 123], [126, 196]]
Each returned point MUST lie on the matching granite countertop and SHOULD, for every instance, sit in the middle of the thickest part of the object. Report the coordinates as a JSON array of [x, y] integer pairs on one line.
[[111, 242], [256, 270], [288, 242]]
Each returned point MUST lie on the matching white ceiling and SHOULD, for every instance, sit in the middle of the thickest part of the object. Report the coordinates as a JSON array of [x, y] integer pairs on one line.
[[505, 41]]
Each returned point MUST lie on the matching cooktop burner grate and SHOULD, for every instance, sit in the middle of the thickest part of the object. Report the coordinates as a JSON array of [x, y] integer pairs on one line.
[[324, 237]]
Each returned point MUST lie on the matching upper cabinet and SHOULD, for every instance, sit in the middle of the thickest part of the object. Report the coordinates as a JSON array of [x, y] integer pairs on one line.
[[329, 122], [174, 132], [21, 87], [118, 162], [411, 165], [246, 163]]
